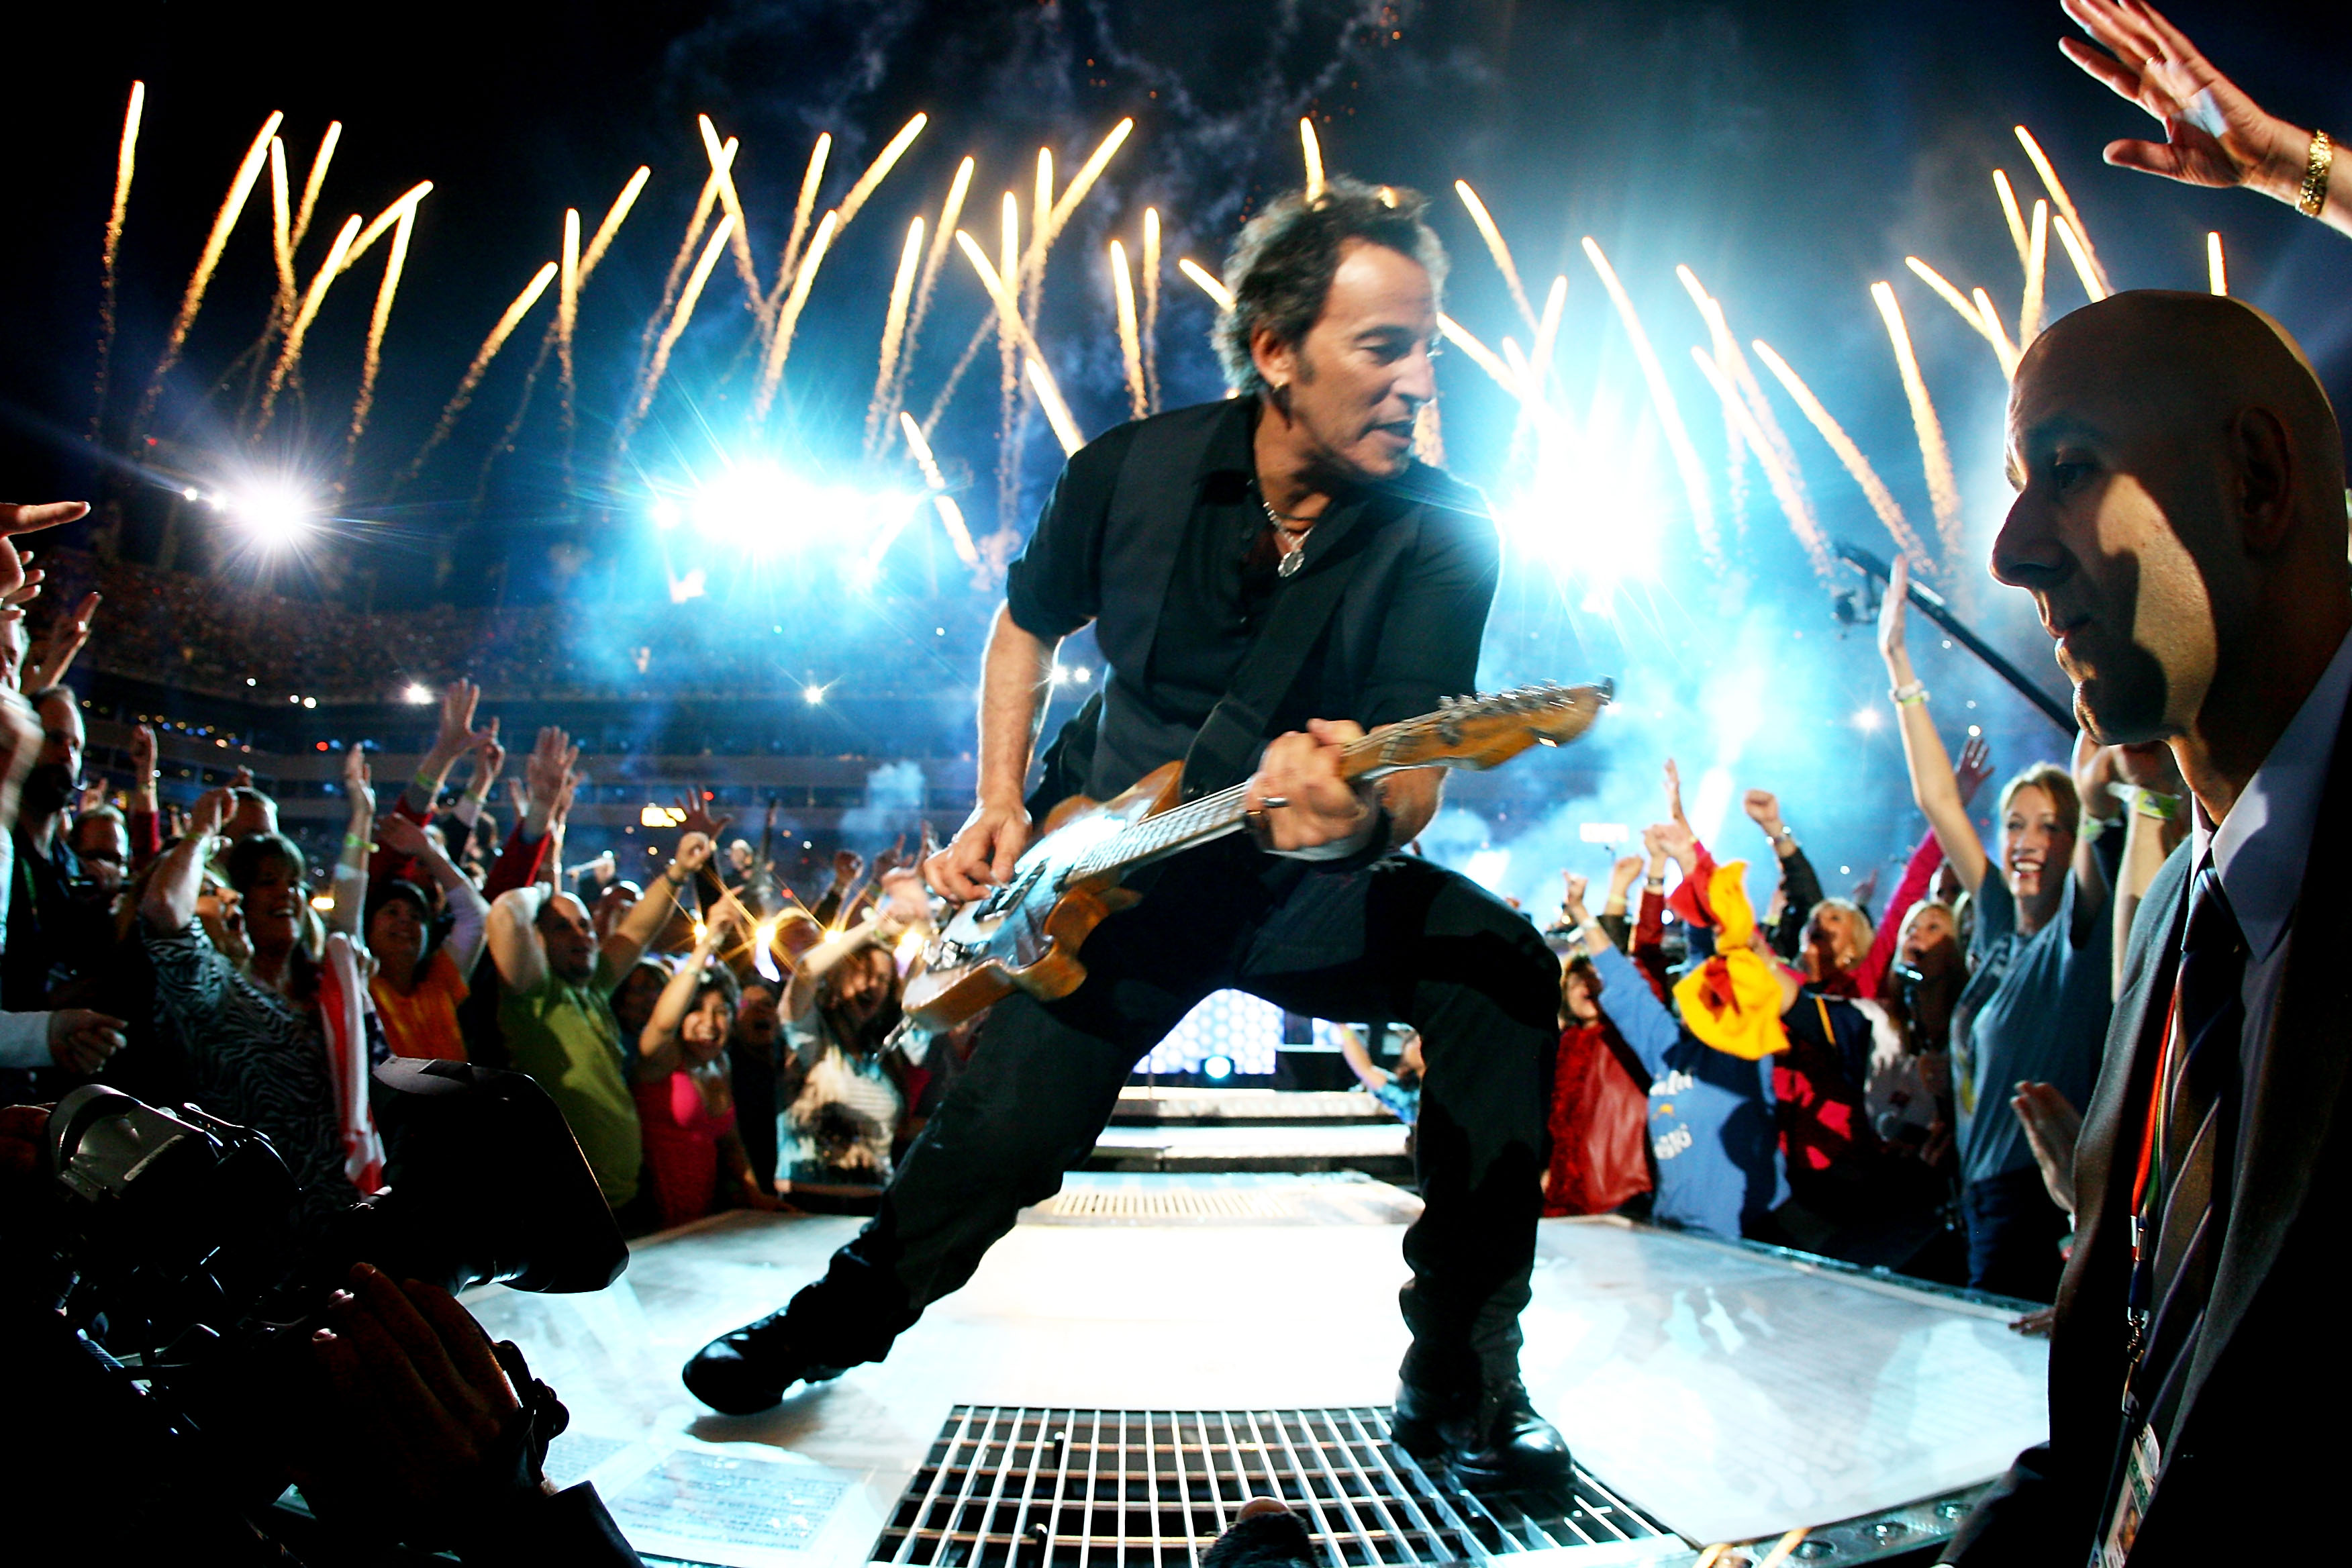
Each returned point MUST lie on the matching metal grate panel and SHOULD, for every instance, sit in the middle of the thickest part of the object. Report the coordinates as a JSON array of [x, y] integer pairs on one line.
[[1007, 1487], [1166, 1202]]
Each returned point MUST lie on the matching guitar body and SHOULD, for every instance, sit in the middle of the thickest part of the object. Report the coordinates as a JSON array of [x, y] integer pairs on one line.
[[1025, 936]]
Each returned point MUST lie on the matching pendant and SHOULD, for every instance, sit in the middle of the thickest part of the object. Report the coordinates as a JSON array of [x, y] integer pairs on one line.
[[1288, 565]]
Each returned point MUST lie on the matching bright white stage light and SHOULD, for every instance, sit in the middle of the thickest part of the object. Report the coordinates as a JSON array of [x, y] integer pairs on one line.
[[813, 695], [273, 512], [417, 691], [766, 510], [1868, 719], [1589, 510], [1217, 1068]]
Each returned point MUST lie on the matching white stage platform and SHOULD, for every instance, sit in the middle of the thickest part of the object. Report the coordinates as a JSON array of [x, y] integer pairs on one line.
[[1730, 1393]]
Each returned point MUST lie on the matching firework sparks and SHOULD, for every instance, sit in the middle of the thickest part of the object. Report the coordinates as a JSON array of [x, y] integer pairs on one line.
[[315, 182], [679, 317], [1781, 476], [383, 220], [950, 214], [1882, 500], [1492, 234], [602, 240], [1989, 330], [291, 354], [883, 161], [1482, 357], [1788, 485], [894, 329], [1130, 339], [1207, 280], [1313, 150], [1057, 413], [281, 233], [1995, 330], [192, 301], [2037, 273], [788, 319], [1088, 172], [126, 158], [505, 328], [2050, 182], [1935, 457], [804, 208], [1662, 397], [755, 297], [950, 515], [703, 205], [372, 361], [2086, 267], [567, 319], [2217, 273], [1151, 306], [1548, 330], [2013, 216]]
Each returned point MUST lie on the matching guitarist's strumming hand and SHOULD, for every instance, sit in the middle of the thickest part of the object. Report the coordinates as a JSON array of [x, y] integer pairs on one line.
[[1321, 815], [981, 853]]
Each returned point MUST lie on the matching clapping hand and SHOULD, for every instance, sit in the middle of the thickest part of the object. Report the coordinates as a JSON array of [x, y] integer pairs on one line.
[[2052, 1126]]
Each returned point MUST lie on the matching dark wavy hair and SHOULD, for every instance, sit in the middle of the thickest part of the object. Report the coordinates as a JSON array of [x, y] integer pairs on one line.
[[1281, 269]]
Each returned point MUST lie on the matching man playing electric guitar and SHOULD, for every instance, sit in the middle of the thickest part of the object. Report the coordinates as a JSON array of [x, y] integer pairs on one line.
[[1252, 567]]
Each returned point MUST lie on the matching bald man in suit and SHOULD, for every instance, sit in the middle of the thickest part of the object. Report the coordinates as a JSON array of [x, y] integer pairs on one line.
[[2181, 524]]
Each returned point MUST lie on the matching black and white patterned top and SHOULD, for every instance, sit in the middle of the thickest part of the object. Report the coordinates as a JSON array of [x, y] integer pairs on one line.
[[256, 1059]]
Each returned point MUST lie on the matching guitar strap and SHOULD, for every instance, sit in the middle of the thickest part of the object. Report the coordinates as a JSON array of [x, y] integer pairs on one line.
[[1227, 745]]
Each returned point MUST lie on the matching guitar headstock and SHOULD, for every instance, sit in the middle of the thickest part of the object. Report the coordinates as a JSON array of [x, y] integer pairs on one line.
[[1482, 731]]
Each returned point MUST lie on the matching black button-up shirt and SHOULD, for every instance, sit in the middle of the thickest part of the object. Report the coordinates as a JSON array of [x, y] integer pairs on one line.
[[1180, 591]]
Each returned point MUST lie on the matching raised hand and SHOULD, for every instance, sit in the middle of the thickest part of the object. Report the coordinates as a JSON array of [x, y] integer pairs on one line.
[[847, 865], [550, 763], [1675, 793], [1680, 843], [1573, 901], [1975, 766], [458, 735], [2214, 133], [359, 781], [17, 584], [890, 859], [142, 758], [489, 760], [693, 852], [402, 835], [1623, 876], [1893, 622], [47, 664], [697, 818]]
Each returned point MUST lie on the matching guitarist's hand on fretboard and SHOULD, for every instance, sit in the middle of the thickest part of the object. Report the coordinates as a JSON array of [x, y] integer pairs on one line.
[[1301, 805]]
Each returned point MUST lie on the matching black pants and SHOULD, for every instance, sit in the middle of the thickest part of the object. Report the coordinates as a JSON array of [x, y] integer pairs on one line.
[[2014, 1232], [1403, 940]]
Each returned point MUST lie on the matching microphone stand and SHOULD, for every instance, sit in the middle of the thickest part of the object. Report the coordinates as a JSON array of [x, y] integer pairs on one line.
[[1931, 605]]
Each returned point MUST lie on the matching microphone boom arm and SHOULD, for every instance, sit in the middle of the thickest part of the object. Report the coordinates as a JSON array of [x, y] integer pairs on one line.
[[1931, 605]]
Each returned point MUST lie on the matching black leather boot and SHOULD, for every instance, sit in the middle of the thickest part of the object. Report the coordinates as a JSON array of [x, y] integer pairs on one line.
[[1492, 1440], [750, 1370]]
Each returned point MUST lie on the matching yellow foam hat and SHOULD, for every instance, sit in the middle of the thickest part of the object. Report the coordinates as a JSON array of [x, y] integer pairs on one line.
[[1732, 1002]]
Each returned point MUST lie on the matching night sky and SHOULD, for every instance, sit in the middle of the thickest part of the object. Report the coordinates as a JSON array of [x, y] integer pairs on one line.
[[1791, 154]]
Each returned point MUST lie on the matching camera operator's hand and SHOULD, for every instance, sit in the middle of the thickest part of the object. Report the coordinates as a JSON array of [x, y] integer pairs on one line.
[[413, 1436], [81, 1040]]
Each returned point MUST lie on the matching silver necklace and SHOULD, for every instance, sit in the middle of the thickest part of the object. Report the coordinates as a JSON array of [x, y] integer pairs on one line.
[[1293, 540]]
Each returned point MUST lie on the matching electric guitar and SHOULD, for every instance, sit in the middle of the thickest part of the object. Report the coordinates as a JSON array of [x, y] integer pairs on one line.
[[1026, 935]]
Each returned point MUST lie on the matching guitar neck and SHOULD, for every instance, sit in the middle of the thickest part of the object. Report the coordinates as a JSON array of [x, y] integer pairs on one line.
[[1214, 815]]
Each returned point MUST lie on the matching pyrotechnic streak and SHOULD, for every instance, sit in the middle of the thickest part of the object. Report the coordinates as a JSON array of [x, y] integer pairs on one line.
[[315, 182], [921, 449], [1999, 333], [755, 297], [1088, 172], [679, 317], [1008, 308], [804, 208], [126, 158], [1151, 306], [951, 213], [788, 319], [2217, 273], [1662, 397], [1969, 313], [372, 361], [1548, 330], [1207, 280], [1314, 152], [2012, 217], [2050, 182], [2085, 267], [291, 354], [703, 203], [1882, 499], [1008, 361], [281, 242], [1777, 473], [505, 328], [1760, 417], [894, 330], [1482, 357], [1935, 457], [602, 240], [384, 220], [950, 515], [1501, 252], [2037, 273], [240, 187], [959, 533], [1040, 241], [567, 316], [1130, 340], [1057, 413], [890, 154]]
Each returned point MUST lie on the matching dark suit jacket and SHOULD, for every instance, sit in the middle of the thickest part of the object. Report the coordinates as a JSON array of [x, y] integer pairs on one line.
[[2258, 1427]]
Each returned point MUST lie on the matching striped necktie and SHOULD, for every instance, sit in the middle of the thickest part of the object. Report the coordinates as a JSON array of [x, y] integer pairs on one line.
[[2180, 1221]]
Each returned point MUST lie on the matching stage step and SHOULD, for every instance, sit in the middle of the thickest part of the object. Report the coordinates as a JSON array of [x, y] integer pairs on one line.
[[1206, 1129]]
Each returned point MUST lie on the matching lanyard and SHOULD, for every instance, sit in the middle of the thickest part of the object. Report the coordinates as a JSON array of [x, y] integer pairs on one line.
[[2152, 1133]]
